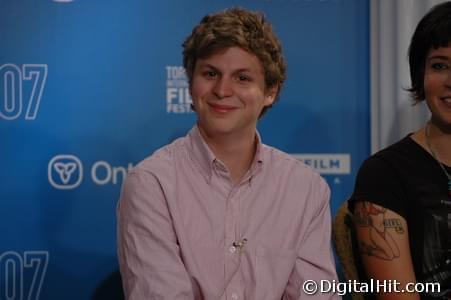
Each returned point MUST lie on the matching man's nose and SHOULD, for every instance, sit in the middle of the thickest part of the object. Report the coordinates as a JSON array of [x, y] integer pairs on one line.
[[223, 87]]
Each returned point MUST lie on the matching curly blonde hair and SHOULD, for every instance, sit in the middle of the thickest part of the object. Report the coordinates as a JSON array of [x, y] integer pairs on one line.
[[237, 27]]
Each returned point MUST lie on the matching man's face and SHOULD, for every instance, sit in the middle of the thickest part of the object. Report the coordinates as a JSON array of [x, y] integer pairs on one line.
[[228, 91]]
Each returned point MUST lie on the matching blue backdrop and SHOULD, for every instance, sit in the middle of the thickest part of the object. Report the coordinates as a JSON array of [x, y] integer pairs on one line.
[[90, 88]]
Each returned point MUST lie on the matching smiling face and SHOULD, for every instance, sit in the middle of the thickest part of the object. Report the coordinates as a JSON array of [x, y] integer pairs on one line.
[[437, 85], [229, 93]]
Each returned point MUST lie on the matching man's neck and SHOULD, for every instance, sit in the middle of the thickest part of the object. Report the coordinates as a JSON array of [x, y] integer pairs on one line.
[[236, 151]]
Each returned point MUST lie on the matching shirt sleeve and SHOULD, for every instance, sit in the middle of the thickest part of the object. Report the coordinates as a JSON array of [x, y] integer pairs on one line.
[[149, 256], [315, 261], [378, 182]]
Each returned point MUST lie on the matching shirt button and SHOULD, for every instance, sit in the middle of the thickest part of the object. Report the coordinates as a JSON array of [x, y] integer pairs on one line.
[[219, 166], [234, 296], [232, 250]]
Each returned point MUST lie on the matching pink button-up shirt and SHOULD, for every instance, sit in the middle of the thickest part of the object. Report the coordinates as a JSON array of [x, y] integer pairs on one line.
[[185, 231]]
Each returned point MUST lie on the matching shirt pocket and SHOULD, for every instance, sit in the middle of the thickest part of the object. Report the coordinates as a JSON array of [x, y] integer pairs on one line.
[[274, 267]]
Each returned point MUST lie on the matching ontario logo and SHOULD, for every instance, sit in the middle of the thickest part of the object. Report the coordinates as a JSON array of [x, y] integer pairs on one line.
[[65, 172]]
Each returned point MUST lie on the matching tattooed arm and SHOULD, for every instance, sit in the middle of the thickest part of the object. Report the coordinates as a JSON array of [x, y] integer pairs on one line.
[[384, 246]]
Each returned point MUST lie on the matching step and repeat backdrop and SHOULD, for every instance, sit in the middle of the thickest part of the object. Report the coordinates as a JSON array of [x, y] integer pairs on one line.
[[90, 88]]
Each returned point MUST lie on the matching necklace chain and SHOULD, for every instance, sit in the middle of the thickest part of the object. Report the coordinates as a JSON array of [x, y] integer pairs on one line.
[[428, 143]]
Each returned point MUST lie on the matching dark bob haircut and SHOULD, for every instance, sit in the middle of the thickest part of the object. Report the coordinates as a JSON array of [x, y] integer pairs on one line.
[[433, 32]]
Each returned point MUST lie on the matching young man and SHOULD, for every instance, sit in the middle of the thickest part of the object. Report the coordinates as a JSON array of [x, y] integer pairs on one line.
[[217, 214]]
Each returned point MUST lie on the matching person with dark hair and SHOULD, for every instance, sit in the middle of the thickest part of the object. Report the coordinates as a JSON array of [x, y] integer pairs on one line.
[[217, 214], [402, 196]]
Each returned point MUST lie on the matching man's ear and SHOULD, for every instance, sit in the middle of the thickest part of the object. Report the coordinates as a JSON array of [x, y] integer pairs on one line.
[[270, 95], [193, 108]]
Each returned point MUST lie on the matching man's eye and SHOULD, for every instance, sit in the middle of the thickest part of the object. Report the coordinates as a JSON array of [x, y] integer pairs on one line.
[[243, 78], [211, 74], [439, 66]]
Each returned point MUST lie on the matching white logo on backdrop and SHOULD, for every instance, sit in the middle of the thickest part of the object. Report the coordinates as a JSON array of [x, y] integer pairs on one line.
[[19, 87], [65, 172], [14, 265], [327, 164], [178, 98]]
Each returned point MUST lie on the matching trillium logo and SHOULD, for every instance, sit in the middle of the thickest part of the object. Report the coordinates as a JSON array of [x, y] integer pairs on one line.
[[65, 172]]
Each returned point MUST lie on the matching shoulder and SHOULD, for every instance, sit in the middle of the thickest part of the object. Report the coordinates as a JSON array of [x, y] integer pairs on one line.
[[382, 177], [405, 148], [281, 159], [398, 155], [162, 162], [285, 164], [148, 179]]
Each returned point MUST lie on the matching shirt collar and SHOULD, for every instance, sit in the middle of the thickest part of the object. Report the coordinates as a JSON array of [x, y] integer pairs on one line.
[[205, 158]]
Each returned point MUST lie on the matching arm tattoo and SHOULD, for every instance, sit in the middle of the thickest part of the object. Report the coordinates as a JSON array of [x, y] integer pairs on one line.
[[381, 243]]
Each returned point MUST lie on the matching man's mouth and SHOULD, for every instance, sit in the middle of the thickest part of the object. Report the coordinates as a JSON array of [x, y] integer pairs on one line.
[[221, 108]]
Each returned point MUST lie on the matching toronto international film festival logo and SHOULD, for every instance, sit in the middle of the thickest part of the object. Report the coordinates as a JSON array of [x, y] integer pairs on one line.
[[178, 98]]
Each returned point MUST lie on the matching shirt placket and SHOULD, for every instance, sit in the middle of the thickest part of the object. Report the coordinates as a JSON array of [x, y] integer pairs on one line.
[[234, 246]]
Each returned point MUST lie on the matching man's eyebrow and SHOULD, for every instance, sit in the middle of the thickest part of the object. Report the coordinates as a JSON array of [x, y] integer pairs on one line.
[[204, 65], [207, 65], [242, 70]]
